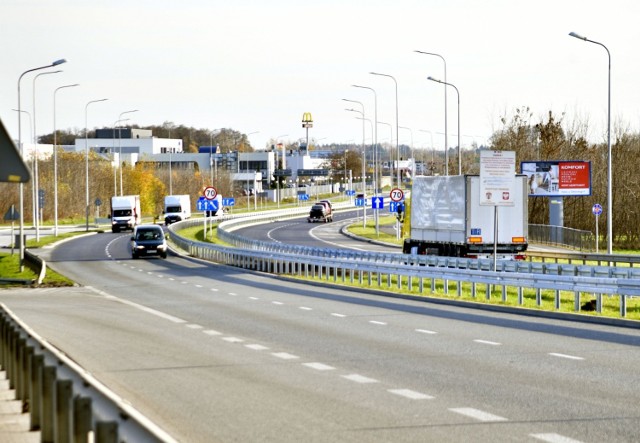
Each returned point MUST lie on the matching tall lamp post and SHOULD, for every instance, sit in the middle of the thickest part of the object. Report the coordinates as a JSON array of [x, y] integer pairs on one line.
[[120, 146], [446, 130], [113, 152], [459, 145], [413, 159], [376, 156], [397, 129], [36, 185], [86, 150], [55, 63], [364, 171], [55, 161], [609, 160], [364, 160]]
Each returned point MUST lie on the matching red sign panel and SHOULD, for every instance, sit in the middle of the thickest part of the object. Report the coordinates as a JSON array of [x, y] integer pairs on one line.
[[557, 178]]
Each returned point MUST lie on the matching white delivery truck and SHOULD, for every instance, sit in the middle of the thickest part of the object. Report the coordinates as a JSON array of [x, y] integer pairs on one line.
[[176, 208], [125, 212], [447, 219]]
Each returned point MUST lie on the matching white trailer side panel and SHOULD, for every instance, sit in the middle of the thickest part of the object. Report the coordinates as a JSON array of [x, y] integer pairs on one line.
[[512, 220], [438, 209]]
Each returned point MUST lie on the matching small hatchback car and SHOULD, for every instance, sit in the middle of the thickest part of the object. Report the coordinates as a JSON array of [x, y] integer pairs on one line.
[[148, 239]]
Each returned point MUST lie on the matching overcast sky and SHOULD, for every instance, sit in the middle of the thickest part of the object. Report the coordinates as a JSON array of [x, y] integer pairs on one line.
[[258, 65]]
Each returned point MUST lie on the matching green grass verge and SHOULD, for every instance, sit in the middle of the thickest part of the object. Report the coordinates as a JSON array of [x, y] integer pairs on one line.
[[10, 268]]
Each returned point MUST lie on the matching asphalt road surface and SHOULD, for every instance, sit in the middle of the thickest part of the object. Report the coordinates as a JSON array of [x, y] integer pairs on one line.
[[212, 353]]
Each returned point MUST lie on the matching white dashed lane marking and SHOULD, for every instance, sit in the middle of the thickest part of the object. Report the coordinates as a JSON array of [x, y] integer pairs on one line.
[[338, 315], [425, 331], [570, 357], [554, 438], [194, 326], [376, 322], [319, 366], [408, 393], [256, 347], [233, 339], [477, 414], [360, 378], [212, 332], [487, 342], [285, 355]]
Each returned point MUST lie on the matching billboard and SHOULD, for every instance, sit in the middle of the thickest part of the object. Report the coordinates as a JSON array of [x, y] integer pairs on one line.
[[557, 178]]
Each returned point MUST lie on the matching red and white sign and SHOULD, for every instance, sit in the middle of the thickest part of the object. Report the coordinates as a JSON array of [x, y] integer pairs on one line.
[[396, 195], [210, 193], [555, 178]]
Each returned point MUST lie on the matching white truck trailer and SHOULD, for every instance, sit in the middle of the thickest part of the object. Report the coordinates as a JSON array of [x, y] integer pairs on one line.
[[125, 212], [176, 208], [447, 219]]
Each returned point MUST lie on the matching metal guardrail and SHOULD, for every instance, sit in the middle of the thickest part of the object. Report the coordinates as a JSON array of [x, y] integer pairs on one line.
[[65, 402], [412, 271]]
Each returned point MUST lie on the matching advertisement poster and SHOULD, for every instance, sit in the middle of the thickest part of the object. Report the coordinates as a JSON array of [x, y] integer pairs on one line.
[[557, 178]]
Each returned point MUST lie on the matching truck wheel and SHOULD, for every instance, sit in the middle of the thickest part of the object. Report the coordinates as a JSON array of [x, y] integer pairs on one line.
[[115, 230]]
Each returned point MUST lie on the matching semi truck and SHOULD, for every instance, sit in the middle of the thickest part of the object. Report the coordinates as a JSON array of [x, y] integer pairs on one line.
[[447, 219], [125, 212], [176, 208]]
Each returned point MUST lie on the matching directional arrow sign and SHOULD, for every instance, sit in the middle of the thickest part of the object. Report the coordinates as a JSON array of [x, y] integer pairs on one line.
[[377, 203], [206, 205], [360, 201], [229, 201]]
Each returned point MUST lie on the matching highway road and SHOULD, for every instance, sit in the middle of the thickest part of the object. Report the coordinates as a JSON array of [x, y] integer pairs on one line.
[[298, 231], [215, 354]]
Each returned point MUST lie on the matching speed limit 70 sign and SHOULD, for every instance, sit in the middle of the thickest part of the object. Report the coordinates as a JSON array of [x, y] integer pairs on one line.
[[396, 195], [210, 193]]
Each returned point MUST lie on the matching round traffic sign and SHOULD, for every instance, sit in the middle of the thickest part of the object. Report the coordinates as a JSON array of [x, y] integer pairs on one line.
[[210, 193], [396, 194], [596, 209]]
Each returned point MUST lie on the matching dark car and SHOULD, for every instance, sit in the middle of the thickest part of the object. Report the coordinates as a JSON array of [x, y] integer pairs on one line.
[[148, 240]]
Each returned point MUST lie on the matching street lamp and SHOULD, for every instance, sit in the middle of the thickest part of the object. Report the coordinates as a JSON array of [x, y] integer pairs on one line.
[[86, 149], [113, 154], [364, 160], [36, 186], [397, 129], [413, 159], [609, 161], [120, 146], [55, 161], [459, 145], [446, 130], [433, 160], [375, 140], [21, 186]]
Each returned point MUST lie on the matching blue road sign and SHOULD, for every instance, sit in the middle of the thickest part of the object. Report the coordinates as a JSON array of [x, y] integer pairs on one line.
[[229, 201], [351, 192], [206, 205], [303, 196], [597, 209], [360, 201], [393, 206], [377, 203]]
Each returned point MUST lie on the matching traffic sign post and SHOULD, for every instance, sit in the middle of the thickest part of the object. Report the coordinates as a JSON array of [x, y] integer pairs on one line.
[[597, 210], [209, 193], [396, 195]]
